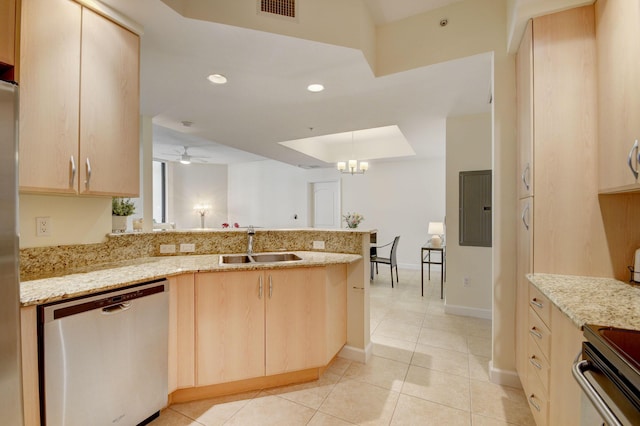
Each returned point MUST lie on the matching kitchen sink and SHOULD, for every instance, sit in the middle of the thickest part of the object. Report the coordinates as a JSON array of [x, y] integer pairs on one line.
[[235, 258], [275, 257], [258, 258]]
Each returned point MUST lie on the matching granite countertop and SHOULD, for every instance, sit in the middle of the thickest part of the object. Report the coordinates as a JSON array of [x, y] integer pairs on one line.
[[79, 283], [590, 300]]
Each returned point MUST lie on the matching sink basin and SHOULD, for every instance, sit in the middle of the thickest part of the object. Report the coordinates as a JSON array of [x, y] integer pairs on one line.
[[235, 258], [258, 258], [275, 257]]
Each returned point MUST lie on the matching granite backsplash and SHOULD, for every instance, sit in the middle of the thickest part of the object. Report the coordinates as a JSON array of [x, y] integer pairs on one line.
[[40, 262]]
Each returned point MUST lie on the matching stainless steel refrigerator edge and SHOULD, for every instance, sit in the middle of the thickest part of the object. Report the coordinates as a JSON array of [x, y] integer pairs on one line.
[[10, 364]]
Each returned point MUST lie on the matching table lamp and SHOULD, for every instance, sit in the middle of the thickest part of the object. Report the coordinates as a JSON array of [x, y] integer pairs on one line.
[[436, 229]]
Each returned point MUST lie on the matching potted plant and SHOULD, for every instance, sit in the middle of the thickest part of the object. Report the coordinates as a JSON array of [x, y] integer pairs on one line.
[[120, 209], [353, 219]]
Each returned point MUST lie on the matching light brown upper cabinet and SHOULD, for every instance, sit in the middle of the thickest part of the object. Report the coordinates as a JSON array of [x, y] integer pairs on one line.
[[618, 44], [7, 31], [79, 108], [524, 105]]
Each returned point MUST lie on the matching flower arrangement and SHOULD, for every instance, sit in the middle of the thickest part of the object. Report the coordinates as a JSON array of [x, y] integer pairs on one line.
[[353, 219], [122, 207]]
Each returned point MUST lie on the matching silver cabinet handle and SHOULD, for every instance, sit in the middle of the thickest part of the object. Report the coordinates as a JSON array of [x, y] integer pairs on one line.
[[525, 212], [260, 288], [525, 172], [631, 157], [537, 304], [535, 333], [535, 363], [578, 370], [270, 287], [73, 171], [88, 181], [533, 403]]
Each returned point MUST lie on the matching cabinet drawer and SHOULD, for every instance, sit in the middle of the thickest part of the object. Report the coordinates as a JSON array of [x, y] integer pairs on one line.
[[538, 400], [540, 304], [540, 333], [537, 363]]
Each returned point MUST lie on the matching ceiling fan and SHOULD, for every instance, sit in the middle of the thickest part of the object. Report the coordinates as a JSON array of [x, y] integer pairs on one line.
[[185, 157]]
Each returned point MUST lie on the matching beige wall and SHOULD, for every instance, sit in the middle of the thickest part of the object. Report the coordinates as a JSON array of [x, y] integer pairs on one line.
[[468, 148], [475, 26], [74, 220]]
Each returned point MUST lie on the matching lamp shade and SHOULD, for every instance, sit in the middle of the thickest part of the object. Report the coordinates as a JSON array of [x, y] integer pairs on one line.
[[436, 228]]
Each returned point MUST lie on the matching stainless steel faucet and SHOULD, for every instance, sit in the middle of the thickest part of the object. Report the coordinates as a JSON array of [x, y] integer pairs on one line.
[[251, 232]]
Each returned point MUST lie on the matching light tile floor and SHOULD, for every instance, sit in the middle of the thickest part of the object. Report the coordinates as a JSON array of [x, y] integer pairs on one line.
[[428, 368]]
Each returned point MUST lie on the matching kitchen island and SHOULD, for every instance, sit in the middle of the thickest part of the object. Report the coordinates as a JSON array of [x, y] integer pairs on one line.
[[322, 300]]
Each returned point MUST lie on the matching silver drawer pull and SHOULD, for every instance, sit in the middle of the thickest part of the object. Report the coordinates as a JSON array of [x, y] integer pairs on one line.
[[525, 215], [73, 172], [535, 333], [537, 304], [631, 157], [270, 287], [535, 363], [525, 172], [260, 288], [88, 181], [533, 403]]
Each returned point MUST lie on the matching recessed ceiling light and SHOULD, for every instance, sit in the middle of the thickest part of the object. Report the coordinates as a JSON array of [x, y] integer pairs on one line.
[[316, 87], [217, 78]]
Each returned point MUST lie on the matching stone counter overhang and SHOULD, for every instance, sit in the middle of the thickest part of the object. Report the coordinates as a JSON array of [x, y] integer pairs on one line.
[[592, 300], [109, 277]]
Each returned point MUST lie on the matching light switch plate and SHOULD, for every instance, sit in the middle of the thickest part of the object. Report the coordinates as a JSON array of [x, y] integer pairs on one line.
[[187, 248], [167, 248], [319, 245]]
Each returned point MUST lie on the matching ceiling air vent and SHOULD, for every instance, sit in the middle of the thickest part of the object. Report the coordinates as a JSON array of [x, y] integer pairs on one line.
[[285, 8]]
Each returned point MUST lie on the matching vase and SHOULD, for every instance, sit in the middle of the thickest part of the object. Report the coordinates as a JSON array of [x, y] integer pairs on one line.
[[352, 226], [118, 223]]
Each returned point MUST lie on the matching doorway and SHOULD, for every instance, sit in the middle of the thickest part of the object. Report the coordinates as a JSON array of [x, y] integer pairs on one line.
[[324, 199]]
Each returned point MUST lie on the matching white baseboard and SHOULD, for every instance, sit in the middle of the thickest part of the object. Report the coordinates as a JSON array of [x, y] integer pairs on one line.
[[504, 377], [357, 354], [468, 312]]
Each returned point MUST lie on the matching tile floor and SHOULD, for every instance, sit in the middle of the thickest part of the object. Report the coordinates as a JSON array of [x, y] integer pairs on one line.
[[428, 368]]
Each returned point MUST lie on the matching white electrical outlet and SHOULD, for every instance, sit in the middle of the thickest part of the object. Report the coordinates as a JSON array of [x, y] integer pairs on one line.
[[465, 282], [43, 226], [167, 248], [187, 248], [319, 245]]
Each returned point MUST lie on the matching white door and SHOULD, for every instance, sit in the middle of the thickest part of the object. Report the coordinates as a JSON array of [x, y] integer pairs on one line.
[[325, 208]]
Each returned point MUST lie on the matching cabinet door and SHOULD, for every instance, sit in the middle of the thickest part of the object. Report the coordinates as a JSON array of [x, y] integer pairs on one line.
[[229, 326], [295, 319], [524, 105], [336, 309], [181, 332], [110, 105], [49, 93], [618, 44], [566, 344], [524, 266], [7, 31]]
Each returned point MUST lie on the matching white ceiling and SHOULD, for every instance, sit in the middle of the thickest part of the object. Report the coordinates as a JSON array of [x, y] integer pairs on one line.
[[266, 102]]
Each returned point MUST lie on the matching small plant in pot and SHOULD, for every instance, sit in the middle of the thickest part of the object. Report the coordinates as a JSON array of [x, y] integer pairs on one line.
[[120, 209]]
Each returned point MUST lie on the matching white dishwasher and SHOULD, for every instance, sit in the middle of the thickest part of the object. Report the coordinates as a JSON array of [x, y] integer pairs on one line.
[[103, 358]]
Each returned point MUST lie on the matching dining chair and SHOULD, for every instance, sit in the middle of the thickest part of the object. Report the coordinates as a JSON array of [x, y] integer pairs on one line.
[[391, 260]]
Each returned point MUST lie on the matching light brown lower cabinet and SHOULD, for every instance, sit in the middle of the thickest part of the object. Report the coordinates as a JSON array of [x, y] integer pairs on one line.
[[264, 323], [552, 343], [181, 332], [30, 389]]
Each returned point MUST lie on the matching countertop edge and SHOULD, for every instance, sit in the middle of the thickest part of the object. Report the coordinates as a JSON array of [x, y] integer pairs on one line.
[[47, 290], [591, 300]]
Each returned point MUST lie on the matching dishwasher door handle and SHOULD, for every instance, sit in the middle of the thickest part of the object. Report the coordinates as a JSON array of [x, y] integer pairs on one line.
[[116, 309]]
